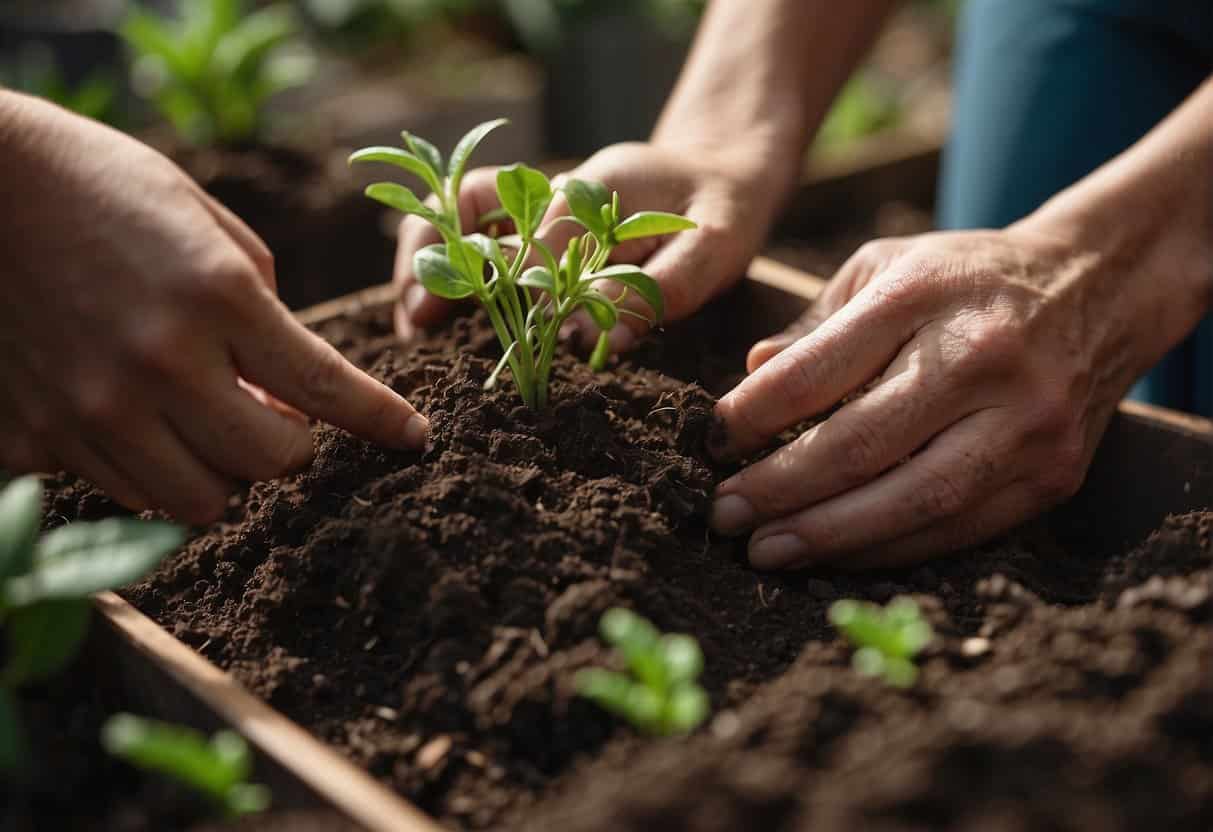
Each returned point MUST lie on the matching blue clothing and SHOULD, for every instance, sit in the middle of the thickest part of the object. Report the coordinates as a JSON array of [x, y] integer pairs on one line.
[[1049, 90]]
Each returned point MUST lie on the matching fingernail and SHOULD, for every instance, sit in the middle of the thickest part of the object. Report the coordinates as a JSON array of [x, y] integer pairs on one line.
[[732, 514], [620, 339], [414, 296], [416, 430], [777, 551]]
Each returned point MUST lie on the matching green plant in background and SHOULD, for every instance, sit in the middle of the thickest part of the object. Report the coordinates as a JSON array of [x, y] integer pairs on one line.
[[888, 638], [45, 584], [362, 24], [541, 24], [863, 107], [218, 767], [34, 70], [658, 694], [210, 71], [526, 324]]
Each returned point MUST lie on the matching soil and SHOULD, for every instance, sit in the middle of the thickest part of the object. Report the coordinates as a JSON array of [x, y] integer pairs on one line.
[[328, 239], [425, 613]]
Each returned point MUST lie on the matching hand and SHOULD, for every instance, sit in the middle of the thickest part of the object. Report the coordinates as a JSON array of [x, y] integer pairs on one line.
[[731, 212], [144, 347], [986, 367]]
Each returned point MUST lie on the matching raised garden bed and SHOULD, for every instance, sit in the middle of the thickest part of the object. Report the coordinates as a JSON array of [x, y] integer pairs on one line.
[[423, 614]]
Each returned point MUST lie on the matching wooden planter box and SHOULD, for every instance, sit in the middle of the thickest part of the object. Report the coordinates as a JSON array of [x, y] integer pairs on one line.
[[1152, 463]]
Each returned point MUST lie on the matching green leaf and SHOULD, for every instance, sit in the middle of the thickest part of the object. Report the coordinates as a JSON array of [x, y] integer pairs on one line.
[[438, 275], [463, 151], [602, 351], [625, 629], [604, 687], [402, 199], [643, 708], [425, 151], [682, 657], [79, 559], [538, 277], [651, 224], [491, 381], [215, 767], [601, 309], [687, 707], [20, 515], [585, 203], [638, 281], [401, 159], [42, 639], [12, 737], [243, 47], [525, 193], [148, 37]]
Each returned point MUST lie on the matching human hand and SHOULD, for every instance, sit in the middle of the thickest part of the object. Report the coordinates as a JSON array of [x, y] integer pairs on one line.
[[143, 345], [995, 360], [731, 212]]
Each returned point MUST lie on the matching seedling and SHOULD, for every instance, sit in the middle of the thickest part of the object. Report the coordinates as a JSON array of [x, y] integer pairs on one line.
[[888, 638], [210, 71], [218, 767], [658, 694], [44, 588], [526, 306]]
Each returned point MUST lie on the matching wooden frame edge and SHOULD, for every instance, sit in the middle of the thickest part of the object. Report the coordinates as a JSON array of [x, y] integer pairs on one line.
[[343, 785]]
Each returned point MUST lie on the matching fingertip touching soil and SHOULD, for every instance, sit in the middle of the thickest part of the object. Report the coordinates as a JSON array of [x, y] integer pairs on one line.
[[425, 613]]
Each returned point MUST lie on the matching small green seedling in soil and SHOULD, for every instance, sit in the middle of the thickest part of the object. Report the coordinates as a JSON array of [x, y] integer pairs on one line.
[[218, 767], [658, 694], [210, 70], [45, 584], [526, 305], [888, 638]]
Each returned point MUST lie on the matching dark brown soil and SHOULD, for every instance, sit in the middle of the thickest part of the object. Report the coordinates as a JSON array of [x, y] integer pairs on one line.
[[328, 239], [425, 614]]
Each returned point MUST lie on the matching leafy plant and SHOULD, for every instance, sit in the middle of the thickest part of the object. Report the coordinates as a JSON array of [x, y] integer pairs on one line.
[[44, 587], [35, 70], [495, 272], [658, 694], [210, 71], [218, 767], [888, 638]]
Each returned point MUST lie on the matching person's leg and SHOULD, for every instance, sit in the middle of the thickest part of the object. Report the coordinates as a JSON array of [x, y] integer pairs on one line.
[[1047, 91]]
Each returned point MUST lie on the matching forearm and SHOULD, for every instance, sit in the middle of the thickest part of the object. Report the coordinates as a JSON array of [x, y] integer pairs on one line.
[[761, 77], [1146, 220]]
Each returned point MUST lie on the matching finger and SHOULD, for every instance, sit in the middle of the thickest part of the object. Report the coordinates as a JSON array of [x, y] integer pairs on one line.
[[1013, 505], [92, 463], [241, 435], [160, 464], [955, 473], [855, 445], [868, 261], [246, 238], [276, 352], [846, 351]]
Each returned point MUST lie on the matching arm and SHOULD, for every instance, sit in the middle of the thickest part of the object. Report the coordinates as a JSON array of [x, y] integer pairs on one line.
[[995, 359], [142, 345], [726, 152]]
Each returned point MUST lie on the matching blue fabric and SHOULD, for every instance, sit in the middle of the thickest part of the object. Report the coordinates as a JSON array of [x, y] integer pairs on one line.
[[1047, 91]]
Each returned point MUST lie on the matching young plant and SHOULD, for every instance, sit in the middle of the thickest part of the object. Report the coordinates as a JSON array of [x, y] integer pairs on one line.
[[210, 71], [659, 694], [218, 767], [888, 638], [35, 70], [526, 305], [45, 584]]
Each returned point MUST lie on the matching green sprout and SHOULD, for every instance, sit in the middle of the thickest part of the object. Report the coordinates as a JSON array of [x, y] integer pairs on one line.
[[45, 584], [218, 767], [888, 638], [526, 305], [210, 72], [659, 694]]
